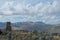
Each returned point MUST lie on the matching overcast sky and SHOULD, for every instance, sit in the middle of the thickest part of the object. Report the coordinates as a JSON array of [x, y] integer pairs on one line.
[[47, 11]]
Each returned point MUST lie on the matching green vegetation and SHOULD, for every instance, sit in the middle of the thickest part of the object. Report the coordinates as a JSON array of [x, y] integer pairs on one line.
[[29, 35]]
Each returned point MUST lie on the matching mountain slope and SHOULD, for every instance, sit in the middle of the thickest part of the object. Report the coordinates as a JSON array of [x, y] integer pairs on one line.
[[32, 26]]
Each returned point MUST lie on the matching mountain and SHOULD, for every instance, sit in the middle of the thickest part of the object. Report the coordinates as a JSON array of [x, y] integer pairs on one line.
[[2, 24], [28, 25], [55, 29], [32, 26]]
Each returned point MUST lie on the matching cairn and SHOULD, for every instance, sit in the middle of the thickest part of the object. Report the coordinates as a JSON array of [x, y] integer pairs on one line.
[[9, 31], [8, 26]]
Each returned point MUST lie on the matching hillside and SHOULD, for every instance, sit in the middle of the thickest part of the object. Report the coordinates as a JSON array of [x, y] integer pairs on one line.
[[32, 26]]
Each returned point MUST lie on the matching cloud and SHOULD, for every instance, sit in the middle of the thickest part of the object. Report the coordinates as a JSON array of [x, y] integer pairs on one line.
[[21, 8], [41, 11], [5, 9], [0, 16]]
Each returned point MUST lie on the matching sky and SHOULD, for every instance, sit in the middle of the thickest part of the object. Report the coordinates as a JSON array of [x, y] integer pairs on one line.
[[47, 11]]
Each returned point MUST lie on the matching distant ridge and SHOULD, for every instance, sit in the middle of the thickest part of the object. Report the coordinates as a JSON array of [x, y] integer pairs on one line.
[[32, 26]]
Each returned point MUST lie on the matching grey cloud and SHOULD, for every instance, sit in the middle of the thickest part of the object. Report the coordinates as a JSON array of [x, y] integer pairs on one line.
[[40, 10]]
